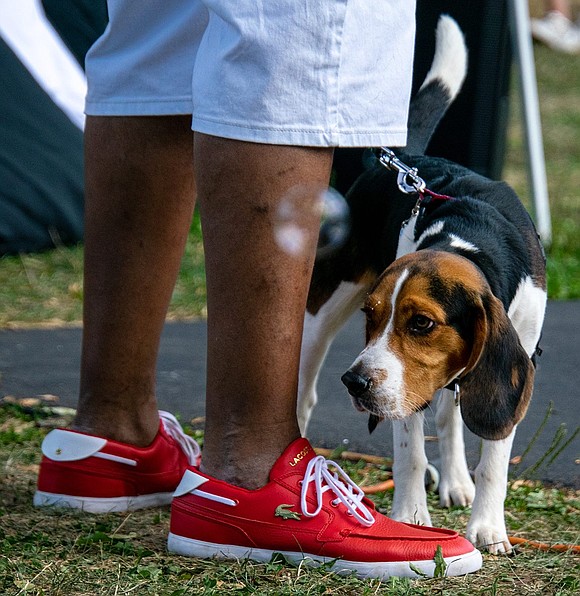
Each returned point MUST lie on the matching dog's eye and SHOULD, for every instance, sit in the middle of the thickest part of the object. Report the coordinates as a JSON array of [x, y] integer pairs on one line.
[[421, 324]]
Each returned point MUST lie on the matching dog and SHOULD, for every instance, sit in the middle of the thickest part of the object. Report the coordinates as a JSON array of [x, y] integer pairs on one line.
[[454, 294]]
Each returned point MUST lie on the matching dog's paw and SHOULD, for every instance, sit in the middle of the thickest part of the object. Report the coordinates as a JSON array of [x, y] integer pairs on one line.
[[490, 537], [456, 491], [411, 514]]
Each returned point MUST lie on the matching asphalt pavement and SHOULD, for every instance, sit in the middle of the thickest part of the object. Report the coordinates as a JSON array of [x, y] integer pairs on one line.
[[46, 361]]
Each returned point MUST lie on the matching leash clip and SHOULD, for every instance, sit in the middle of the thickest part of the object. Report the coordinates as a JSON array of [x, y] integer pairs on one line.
[[408, 179]]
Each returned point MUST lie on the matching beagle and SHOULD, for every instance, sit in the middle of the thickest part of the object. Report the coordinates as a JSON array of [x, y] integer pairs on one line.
[[454, 296]]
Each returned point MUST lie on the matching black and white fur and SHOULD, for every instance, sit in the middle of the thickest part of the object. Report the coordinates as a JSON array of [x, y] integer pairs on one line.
[[488, 225]]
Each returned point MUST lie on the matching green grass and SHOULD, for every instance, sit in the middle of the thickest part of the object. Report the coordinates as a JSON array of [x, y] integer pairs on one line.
[[51, 552], [558, 83], [47, 288]]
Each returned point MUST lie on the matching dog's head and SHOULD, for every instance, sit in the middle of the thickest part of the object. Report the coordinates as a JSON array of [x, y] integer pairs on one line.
[[432, 318]]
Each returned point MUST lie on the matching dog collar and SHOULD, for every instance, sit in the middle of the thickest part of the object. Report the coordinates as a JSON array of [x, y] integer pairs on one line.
[[456, 391]]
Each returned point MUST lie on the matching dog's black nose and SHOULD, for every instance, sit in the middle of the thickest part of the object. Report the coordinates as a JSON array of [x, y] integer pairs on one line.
[[355, 383]]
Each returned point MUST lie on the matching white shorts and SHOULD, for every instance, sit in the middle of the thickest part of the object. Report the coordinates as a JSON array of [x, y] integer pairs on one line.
[[291, 72]]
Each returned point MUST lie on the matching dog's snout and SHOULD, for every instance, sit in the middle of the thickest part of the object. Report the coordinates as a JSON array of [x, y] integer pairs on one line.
[[356, 384]]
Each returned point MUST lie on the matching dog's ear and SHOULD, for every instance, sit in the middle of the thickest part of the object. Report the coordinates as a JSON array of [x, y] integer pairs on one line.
[[496, 387]]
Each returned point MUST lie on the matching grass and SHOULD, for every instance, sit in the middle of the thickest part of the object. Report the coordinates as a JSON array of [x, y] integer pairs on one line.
[[51, 552], [558, 83], [47, 288]]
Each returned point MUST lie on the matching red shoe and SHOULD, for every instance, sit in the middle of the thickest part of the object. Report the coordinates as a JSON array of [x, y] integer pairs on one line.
[[307, 513], [99, 475]]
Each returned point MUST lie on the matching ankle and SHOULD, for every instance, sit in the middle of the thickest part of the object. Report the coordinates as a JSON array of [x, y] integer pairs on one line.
[[138, 430], [251, 477], [251, 465]]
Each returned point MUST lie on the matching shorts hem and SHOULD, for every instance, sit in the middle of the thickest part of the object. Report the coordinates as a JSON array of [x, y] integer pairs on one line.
[[302, 137], [395, 137], [157, 107]]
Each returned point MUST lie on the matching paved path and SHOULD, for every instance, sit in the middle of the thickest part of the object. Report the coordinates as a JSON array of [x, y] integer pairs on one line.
[[46, 361]]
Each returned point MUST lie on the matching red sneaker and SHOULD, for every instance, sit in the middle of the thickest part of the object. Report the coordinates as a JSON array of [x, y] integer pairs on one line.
[[99, 475], [307, 513]]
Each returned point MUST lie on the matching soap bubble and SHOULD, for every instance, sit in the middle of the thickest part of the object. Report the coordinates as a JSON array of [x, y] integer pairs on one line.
[[334, 223], [295, 213]]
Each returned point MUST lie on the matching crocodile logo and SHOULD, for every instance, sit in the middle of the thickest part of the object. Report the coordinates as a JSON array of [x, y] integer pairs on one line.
[[284, 512]]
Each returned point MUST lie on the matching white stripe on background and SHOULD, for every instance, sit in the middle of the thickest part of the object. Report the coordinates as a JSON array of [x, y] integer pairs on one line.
[[26, 29]]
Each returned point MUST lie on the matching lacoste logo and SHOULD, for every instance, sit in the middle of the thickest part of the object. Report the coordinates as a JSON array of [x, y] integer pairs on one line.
[[284, 512], [300, 455]]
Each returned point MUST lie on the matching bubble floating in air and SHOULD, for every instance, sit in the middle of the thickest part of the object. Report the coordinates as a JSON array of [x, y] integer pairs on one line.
[[300, 208], [334, 223]]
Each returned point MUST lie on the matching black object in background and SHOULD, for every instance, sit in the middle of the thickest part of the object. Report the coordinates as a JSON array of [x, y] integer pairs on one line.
[[41, 150], [473, 132], [78, 22], [41, 165]]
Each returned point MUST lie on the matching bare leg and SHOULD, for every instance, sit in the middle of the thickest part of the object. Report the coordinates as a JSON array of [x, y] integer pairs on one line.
[[562, 6], [140, 198], [256, 301], [139, 203]]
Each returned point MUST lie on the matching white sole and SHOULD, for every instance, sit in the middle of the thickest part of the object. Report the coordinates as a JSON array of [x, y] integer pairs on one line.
[[460, 565], [101, 505]]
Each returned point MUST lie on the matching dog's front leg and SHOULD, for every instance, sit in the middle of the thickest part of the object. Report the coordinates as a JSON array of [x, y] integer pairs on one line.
[[486, 528], [410, 464], [315, 344], [455, 486], [319, 331]]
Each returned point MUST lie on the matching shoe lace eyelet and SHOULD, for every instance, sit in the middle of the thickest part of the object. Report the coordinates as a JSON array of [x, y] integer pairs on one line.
[[335, 502]]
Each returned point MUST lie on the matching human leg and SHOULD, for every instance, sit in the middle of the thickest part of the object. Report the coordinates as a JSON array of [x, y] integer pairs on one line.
[[256, 299], [562, 6], [122, 453], [306, 507], [256, 291], [139, 203], [557, 28]]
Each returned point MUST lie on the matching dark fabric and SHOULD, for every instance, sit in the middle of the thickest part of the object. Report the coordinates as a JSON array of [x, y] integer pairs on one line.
[[473, 132], [41, 165], [41, 153], [78, 22]]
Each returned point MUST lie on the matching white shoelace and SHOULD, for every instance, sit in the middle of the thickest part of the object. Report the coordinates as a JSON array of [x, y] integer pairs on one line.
[[189, 445], [346, 491]]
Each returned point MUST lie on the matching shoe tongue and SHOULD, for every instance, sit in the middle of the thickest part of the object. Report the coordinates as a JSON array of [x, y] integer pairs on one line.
[[294, 459]]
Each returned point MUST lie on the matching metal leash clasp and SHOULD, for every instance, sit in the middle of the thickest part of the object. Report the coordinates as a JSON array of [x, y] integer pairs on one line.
[[408, 180]]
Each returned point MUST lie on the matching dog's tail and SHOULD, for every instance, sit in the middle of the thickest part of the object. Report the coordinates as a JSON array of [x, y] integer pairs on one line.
[[440, 87]]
